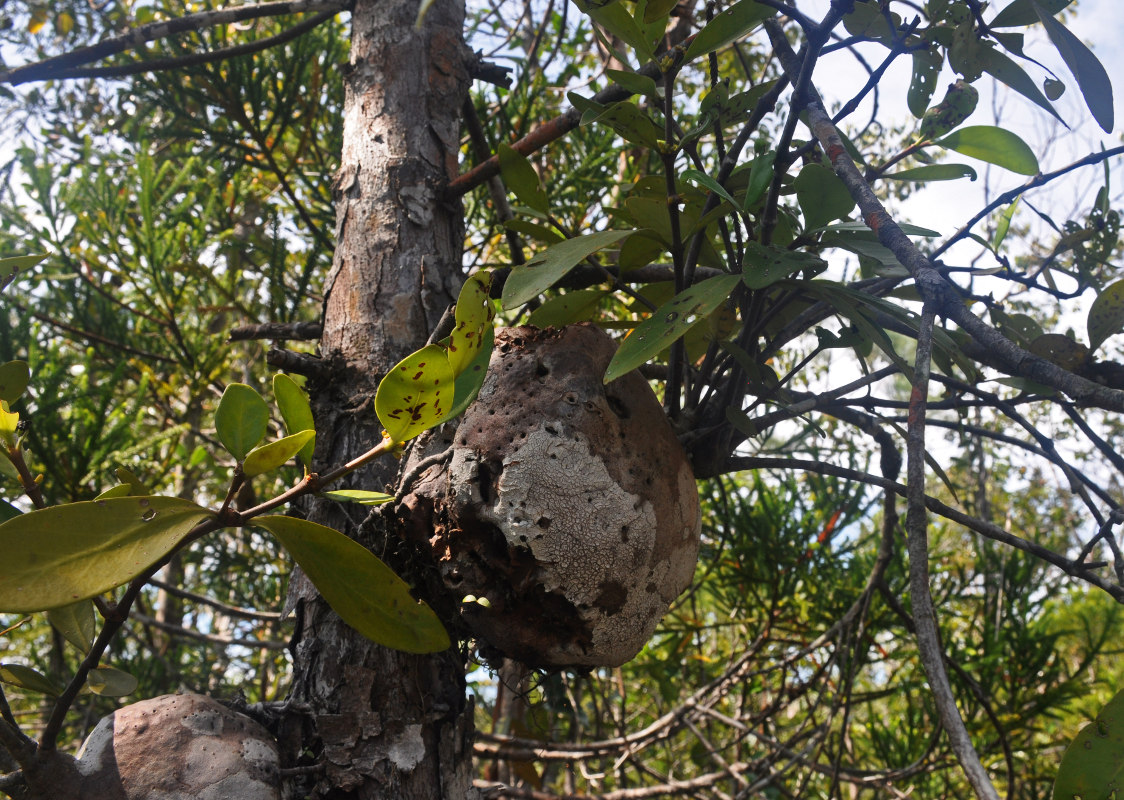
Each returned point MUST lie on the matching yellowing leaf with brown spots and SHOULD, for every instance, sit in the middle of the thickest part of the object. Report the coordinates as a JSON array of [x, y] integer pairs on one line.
[[416, 395]]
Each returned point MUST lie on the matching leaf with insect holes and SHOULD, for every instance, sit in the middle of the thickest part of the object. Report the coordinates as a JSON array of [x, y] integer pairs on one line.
[[1106, 315], [59, 555], [473, 315], [359, 587], [416, 395], [14, 377], [529, 280], [295, 411], [270, 456], [672, 320], [926, 69], [1093, 765], [241, 419]]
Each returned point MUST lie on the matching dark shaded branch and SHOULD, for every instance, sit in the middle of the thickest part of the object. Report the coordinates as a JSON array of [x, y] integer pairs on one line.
[[52, 67], [305, 331]]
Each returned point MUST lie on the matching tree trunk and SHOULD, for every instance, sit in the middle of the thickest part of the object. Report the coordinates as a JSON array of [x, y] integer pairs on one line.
[[384, 723]]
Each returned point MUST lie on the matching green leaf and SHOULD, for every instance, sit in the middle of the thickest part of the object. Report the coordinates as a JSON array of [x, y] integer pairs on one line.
[[575, 306], [59, 555], [926, 70], [933, 172], [363, 590], [632, 124], [673, 319], [241, 419], [9, 424], [765, 265], [822, 195], [14, 377], [415, 395], [270, 456], [75, 622], [1004, 69], [635, 82], [729, 26], [994, 145], [1093, 765], [111, 682], [295, 411], [468, 383], [521, 178], [359, 496], [1106, 315], [702, 179], [529, 280], [657, 10], [534, 230], [1021, 12], [1060, 349], [1087, 70], [474, 314], [1004, 224], [28, 678], [10, 268], [137, 487], [614, 17], [760, 176], [120, 490]]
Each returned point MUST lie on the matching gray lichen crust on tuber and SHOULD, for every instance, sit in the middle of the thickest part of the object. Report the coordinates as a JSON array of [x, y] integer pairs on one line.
[[568, 504]]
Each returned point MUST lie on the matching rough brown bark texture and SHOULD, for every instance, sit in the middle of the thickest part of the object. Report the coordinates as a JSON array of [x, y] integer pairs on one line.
[[384, 724]]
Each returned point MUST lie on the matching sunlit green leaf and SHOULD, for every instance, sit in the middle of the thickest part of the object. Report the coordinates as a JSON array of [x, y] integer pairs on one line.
[[631, 123], [673, 319], [137, 487], [471, 378], [111, 682], [727, 27], [995, 145], [295, 411], [241, 419], [360, 496], [62, 554], [1106, 315], [613, 16], [75, 622], [416, 395], [27, 678], [575, 306], [10, 268], [1004, 224], [634, 82], [529, 280], [271, 456], [359, 587], [1093, 765], [473, 317], [14, 377]]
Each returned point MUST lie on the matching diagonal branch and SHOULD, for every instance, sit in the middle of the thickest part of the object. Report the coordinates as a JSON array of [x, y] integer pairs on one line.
[[134, 38]]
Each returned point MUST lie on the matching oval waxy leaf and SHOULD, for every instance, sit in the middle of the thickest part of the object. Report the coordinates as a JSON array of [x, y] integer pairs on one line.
[[27, 678], [111, 682], [468, 383], [926, 69], [1093, 765], [474, 314], [994, 145], [416, 395], [822, 195], [529, 280], [767, 264], [521, 178], [59, 555], [729, 26], [1106, 315], [271, 456], [75, 622], [14, 377], [295, 411], [932, 172], [359, 587], [673, 319], [241, 419]]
